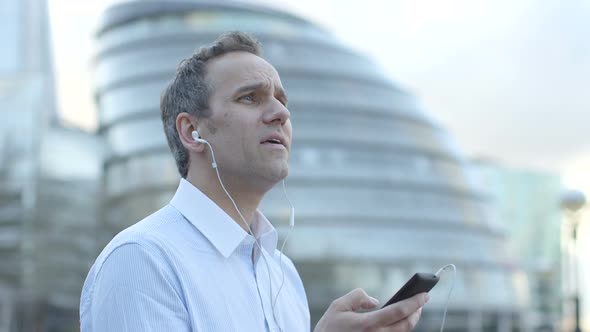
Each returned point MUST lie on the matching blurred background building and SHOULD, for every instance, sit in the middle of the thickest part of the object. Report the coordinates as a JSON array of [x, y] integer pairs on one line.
[[26, 103], [381, 190], [67, 216], [528, 202], [49, 183]]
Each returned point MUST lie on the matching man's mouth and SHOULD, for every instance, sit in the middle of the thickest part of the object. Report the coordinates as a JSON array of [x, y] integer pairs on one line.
[[273, 141]]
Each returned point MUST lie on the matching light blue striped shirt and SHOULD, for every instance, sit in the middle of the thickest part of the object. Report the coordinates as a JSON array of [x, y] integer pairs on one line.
[[189, 267]]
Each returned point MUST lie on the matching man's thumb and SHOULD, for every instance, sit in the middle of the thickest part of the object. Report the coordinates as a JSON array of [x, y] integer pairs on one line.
[[358, 300]]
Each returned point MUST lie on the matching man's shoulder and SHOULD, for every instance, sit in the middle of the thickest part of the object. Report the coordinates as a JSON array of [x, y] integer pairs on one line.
[[149, 238], [152, 227], [152, 233], [138, 255], [149, 234]]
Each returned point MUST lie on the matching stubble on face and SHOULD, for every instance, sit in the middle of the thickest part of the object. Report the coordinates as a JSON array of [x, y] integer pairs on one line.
[[240, 124]]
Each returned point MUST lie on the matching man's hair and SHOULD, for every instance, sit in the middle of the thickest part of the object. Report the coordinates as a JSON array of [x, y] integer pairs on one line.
[[190, 91]]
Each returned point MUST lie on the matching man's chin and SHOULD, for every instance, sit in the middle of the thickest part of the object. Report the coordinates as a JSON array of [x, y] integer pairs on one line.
[[280, 174], [277, 174]]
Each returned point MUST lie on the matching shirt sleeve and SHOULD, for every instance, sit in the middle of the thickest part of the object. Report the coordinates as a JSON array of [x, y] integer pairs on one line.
[[135, 290]]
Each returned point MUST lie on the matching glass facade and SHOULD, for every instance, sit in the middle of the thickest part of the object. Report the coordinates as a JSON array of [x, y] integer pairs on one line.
[[49, 183], [22, 88], [10, 32], [381, 191], [527, 202]]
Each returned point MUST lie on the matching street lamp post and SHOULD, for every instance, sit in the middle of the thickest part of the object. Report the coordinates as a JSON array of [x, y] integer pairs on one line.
[[573, 202]]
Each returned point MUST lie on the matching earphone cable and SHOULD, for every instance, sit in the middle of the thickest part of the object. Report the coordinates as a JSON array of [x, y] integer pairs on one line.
[[450, 291], [214, 164]]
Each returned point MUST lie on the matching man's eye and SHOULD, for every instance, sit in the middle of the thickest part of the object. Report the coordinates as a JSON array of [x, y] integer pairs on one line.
[[249, 98]]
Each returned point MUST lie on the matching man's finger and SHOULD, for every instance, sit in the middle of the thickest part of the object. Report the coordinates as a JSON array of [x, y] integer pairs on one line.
[[354, 301], [396, 312], [404, 325], [415, 317]]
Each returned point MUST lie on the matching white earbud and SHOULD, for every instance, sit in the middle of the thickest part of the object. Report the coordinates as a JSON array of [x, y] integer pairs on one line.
[[197, 137]]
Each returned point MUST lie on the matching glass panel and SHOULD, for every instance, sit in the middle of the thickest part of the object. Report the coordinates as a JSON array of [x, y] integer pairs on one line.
[[141, 172], [11, 36], [140, 135], [211, 23], [129, 66], [132, 99]]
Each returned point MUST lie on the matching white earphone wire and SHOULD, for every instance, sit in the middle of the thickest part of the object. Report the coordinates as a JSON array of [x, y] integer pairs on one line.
[[450, 291], [291, 226], [272, 303]]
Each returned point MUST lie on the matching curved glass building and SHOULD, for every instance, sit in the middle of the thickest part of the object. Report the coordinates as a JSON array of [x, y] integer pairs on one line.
[[380, 190]]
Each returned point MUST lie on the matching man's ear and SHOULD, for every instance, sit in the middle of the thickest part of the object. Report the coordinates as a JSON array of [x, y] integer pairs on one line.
[[185, 125]]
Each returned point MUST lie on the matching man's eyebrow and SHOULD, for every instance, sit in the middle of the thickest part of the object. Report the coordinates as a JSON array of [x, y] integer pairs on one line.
[[250, 87], [255, 86]]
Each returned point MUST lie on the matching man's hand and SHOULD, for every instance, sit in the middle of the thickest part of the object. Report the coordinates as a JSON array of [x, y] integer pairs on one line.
[[343, 314]]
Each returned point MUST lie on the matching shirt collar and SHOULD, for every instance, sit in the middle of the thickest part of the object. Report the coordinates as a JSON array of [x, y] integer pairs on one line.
[[216, 225], [265, 232]]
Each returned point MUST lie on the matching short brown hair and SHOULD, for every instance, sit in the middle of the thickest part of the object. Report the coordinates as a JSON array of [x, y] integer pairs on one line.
[[189, 91]]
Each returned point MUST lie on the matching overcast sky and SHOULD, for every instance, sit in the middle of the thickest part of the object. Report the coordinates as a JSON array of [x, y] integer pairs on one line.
[[509, 79]]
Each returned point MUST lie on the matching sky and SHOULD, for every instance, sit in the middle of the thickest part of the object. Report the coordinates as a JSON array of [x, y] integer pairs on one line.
[[509, 79]]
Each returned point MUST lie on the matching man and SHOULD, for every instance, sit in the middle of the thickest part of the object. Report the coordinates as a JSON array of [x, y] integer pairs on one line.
[[203, 263]]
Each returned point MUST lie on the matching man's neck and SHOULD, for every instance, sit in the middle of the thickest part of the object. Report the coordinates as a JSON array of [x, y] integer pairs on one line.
[[246, 201]]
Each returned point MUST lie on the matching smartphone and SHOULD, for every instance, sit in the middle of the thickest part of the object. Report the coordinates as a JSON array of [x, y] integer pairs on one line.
[[419, 283]]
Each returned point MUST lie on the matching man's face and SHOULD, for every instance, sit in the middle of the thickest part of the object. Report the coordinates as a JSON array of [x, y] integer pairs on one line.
[[249, 127]]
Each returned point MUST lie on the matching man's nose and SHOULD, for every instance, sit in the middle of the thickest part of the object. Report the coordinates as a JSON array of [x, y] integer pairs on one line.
[[277, 113]]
